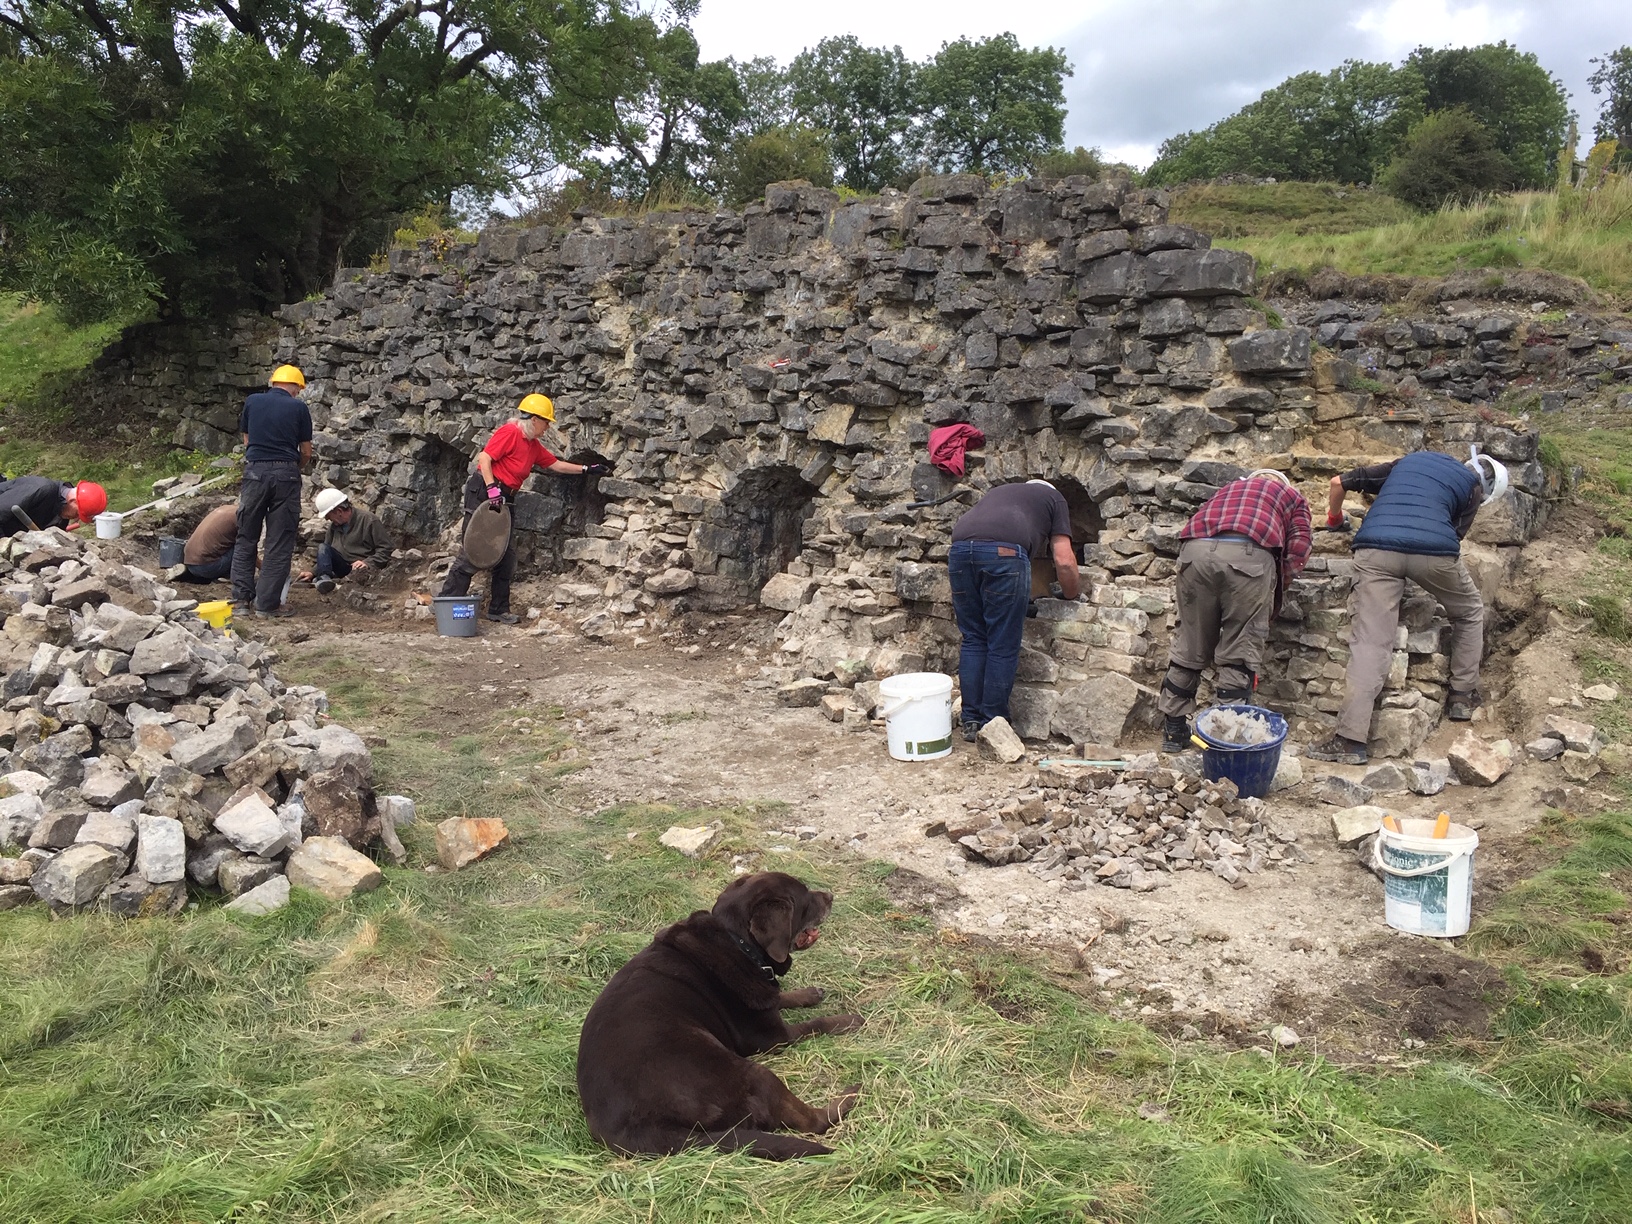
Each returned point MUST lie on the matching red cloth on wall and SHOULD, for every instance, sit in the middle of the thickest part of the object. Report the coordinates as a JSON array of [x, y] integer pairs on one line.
[[947, 444]]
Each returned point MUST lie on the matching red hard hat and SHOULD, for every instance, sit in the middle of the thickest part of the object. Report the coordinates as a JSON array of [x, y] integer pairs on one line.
[[91, 499]]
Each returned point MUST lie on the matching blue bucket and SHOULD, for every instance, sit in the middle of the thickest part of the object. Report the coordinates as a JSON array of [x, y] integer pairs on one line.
[[1252, 768]]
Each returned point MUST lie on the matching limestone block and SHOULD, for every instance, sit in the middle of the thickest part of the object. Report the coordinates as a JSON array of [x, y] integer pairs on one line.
[[161, 849], [265, 898], [671, 581], [1102, 709], [236, 876], [1351, 824], [217, 745], [1477, 763], [19, 815], [1579, 766], [1199, 273], [801, 694], [253, 826], [1577, 736], [135, 896], [75, 878], [1285, 351], [163, 652], [116, 832], [998, 740], [1546, 748], [692, 842], [786, 592], [327, 865]]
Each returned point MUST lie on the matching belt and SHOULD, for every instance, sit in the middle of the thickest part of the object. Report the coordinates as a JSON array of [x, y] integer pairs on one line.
[[1237, 538]]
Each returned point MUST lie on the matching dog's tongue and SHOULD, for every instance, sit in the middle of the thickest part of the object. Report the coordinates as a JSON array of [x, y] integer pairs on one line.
[[805, 938]]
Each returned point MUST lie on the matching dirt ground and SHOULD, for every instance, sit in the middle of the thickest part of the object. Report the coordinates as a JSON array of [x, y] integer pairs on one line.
[[689, 722]]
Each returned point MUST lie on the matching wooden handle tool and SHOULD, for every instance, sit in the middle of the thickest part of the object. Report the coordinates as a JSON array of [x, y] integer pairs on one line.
[[1389, 823], [1442, 826]]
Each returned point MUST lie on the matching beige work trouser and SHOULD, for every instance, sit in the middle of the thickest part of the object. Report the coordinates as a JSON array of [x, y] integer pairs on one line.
[[1226, 591], [1374, 618]]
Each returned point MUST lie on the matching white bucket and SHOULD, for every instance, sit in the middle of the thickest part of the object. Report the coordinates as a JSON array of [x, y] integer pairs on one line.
[[917, 711], [108, 524], [1427, 880]]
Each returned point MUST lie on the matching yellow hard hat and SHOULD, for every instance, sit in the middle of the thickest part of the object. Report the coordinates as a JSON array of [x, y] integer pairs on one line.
[[538, 405], [288, 374]]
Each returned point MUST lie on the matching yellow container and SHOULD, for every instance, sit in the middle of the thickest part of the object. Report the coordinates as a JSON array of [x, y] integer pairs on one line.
[[217, 613]]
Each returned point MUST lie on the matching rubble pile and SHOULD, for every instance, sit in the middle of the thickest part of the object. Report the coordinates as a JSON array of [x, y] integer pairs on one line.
[[1125, 830], [142, 751]]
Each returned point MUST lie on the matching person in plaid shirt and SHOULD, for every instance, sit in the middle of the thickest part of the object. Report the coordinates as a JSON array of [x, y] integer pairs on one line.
[[1240, 550]]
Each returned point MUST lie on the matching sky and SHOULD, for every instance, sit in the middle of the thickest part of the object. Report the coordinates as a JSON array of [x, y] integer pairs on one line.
[[1146, 69]]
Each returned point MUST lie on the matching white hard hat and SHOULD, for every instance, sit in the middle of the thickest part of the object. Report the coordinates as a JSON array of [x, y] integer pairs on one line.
[[1495, 484], [1271, 474], [329, 500]]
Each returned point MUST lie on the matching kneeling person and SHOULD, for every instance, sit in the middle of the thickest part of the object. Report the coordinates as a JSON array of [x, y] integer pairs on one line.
[[207, 556], [354, 539], [1239, 553]]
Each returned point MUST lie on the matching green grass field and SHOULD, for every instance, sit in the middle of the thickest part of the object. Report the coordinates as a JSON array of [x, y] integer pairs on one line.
[[408, 1056], [1582, 234]]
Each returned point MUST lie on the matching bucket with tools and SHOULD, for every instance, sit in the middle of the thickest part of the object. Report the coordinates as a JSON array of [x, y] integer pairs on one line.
[[1427, 870]]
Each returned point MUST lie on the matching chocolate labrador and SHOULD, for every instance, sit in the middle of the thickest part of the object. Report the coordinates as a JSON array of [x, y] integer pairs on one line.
[[663, 1058]]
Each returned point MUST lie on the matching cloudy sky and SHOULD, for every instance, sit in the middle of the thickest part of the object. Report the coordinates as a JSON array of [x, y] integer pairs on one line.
[[1145, 69]]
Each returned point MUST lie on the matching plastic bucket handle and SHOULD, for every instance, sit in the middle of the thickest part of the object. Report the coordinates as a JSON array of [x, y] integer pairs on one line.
[[896, 706], [1406, 873]]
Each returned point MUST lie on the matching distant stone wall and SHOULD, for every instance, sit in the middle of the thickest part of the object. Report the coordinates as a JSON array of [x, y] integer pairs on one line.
[[765, 383]]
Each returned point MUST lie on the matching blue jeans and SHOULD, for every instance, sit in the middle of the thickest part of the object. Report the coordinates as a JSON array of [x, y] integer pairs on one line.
[[330, 564], [210, 571], [991, 588]]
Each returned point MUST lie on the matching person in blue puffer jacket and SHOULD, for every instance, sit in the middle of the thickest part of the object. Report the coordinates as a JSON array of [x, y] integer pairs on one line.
[[1425, 504]]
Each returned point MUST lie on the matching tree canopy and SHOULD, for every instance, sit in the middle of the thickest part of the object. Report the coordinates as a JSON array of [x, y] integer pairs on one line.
[[209, 154], [1349, 124], [1612, 77]]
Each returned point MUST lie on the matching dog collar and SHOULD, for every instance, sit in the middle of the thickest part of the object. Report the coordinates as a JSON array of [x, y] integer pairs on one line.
[[756, 954]]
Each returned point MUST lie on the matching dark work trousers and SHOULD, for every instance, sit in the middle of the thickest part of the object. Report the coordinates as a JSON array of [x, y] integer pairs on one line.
[[210, 571], [458, 581], [991, 588], [1226, 592], [270, 499], [330, 564]]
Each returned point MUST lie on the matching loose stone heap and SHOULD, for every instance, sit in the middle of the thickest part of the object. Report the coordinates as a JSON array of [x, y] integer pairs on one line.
[[141, 749], [1126, 830]]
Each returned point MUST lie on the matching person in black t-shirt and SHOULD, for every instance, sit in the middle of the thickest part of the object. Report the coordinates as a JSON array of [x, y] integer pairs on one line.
[[990, 568]]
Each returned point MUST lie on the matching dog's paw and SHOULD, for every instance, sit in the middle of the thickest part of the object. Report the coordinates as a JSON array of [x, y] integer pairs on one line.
[[844, 1024], [843, 1104], [805, 996]]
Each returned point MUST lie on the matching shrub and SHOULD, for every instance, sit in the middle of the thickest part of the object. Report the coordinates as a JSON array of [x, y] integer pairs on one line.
[[774, 156], [1447, 157]]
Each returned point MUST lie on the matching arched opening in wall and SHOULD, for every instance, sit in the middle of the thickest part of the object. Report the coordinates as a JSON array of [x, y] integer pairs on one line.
[[758, 527], [1086, 520], [435, 499], [554, 509]]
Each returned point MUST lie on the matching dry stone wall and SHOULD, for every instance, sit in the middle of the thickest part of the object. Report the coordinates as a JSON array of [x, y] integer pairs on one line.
[[765, 383]]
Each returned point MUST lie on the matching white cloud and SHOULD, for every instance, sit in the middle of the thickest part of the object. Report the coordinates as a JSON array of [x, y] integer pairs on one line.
[[1398, 27]]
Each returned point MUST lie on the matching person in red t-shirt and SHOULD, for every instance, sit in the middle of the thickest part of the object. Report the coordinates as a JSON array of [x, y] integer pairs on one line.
[[509, 457]]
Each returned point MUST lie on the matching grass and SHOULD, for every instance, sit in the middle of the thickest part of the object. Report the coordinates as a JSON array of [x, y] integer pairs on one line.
[[408, 1055], [35, 344], [1582, 234], [1280, 209]]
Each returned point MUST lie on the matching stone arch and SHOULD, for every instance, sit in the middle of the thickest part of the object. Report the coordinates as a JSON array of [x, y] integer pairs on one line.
[[1086, 519], [757, 527]]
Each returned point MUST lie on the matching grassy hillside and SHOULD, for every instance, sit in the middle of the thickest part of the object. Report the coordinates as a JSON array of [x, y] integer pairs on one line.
[[1276, 209], [1286, 226], [34, 344]]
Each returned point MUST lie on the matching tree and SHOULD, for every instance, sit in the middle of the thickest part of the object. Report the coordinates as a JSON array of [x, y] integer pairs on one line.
[[656, 114], [773, 156], [1613, 78], [1523, 106], [1448, 156], [1059, 163], [863, 98], [992, 105], [212, 154], [1342, 125]]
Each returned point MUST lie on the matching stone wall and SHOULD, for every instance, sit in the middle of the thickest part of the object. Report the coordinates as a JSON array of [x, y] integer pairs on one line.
[[765, 383]]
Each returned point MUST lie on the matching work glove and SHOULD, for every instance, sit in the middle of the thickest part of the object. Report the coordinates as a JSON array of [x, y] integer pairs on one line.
[[1337, 522], [495, 493], [597, 469]]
